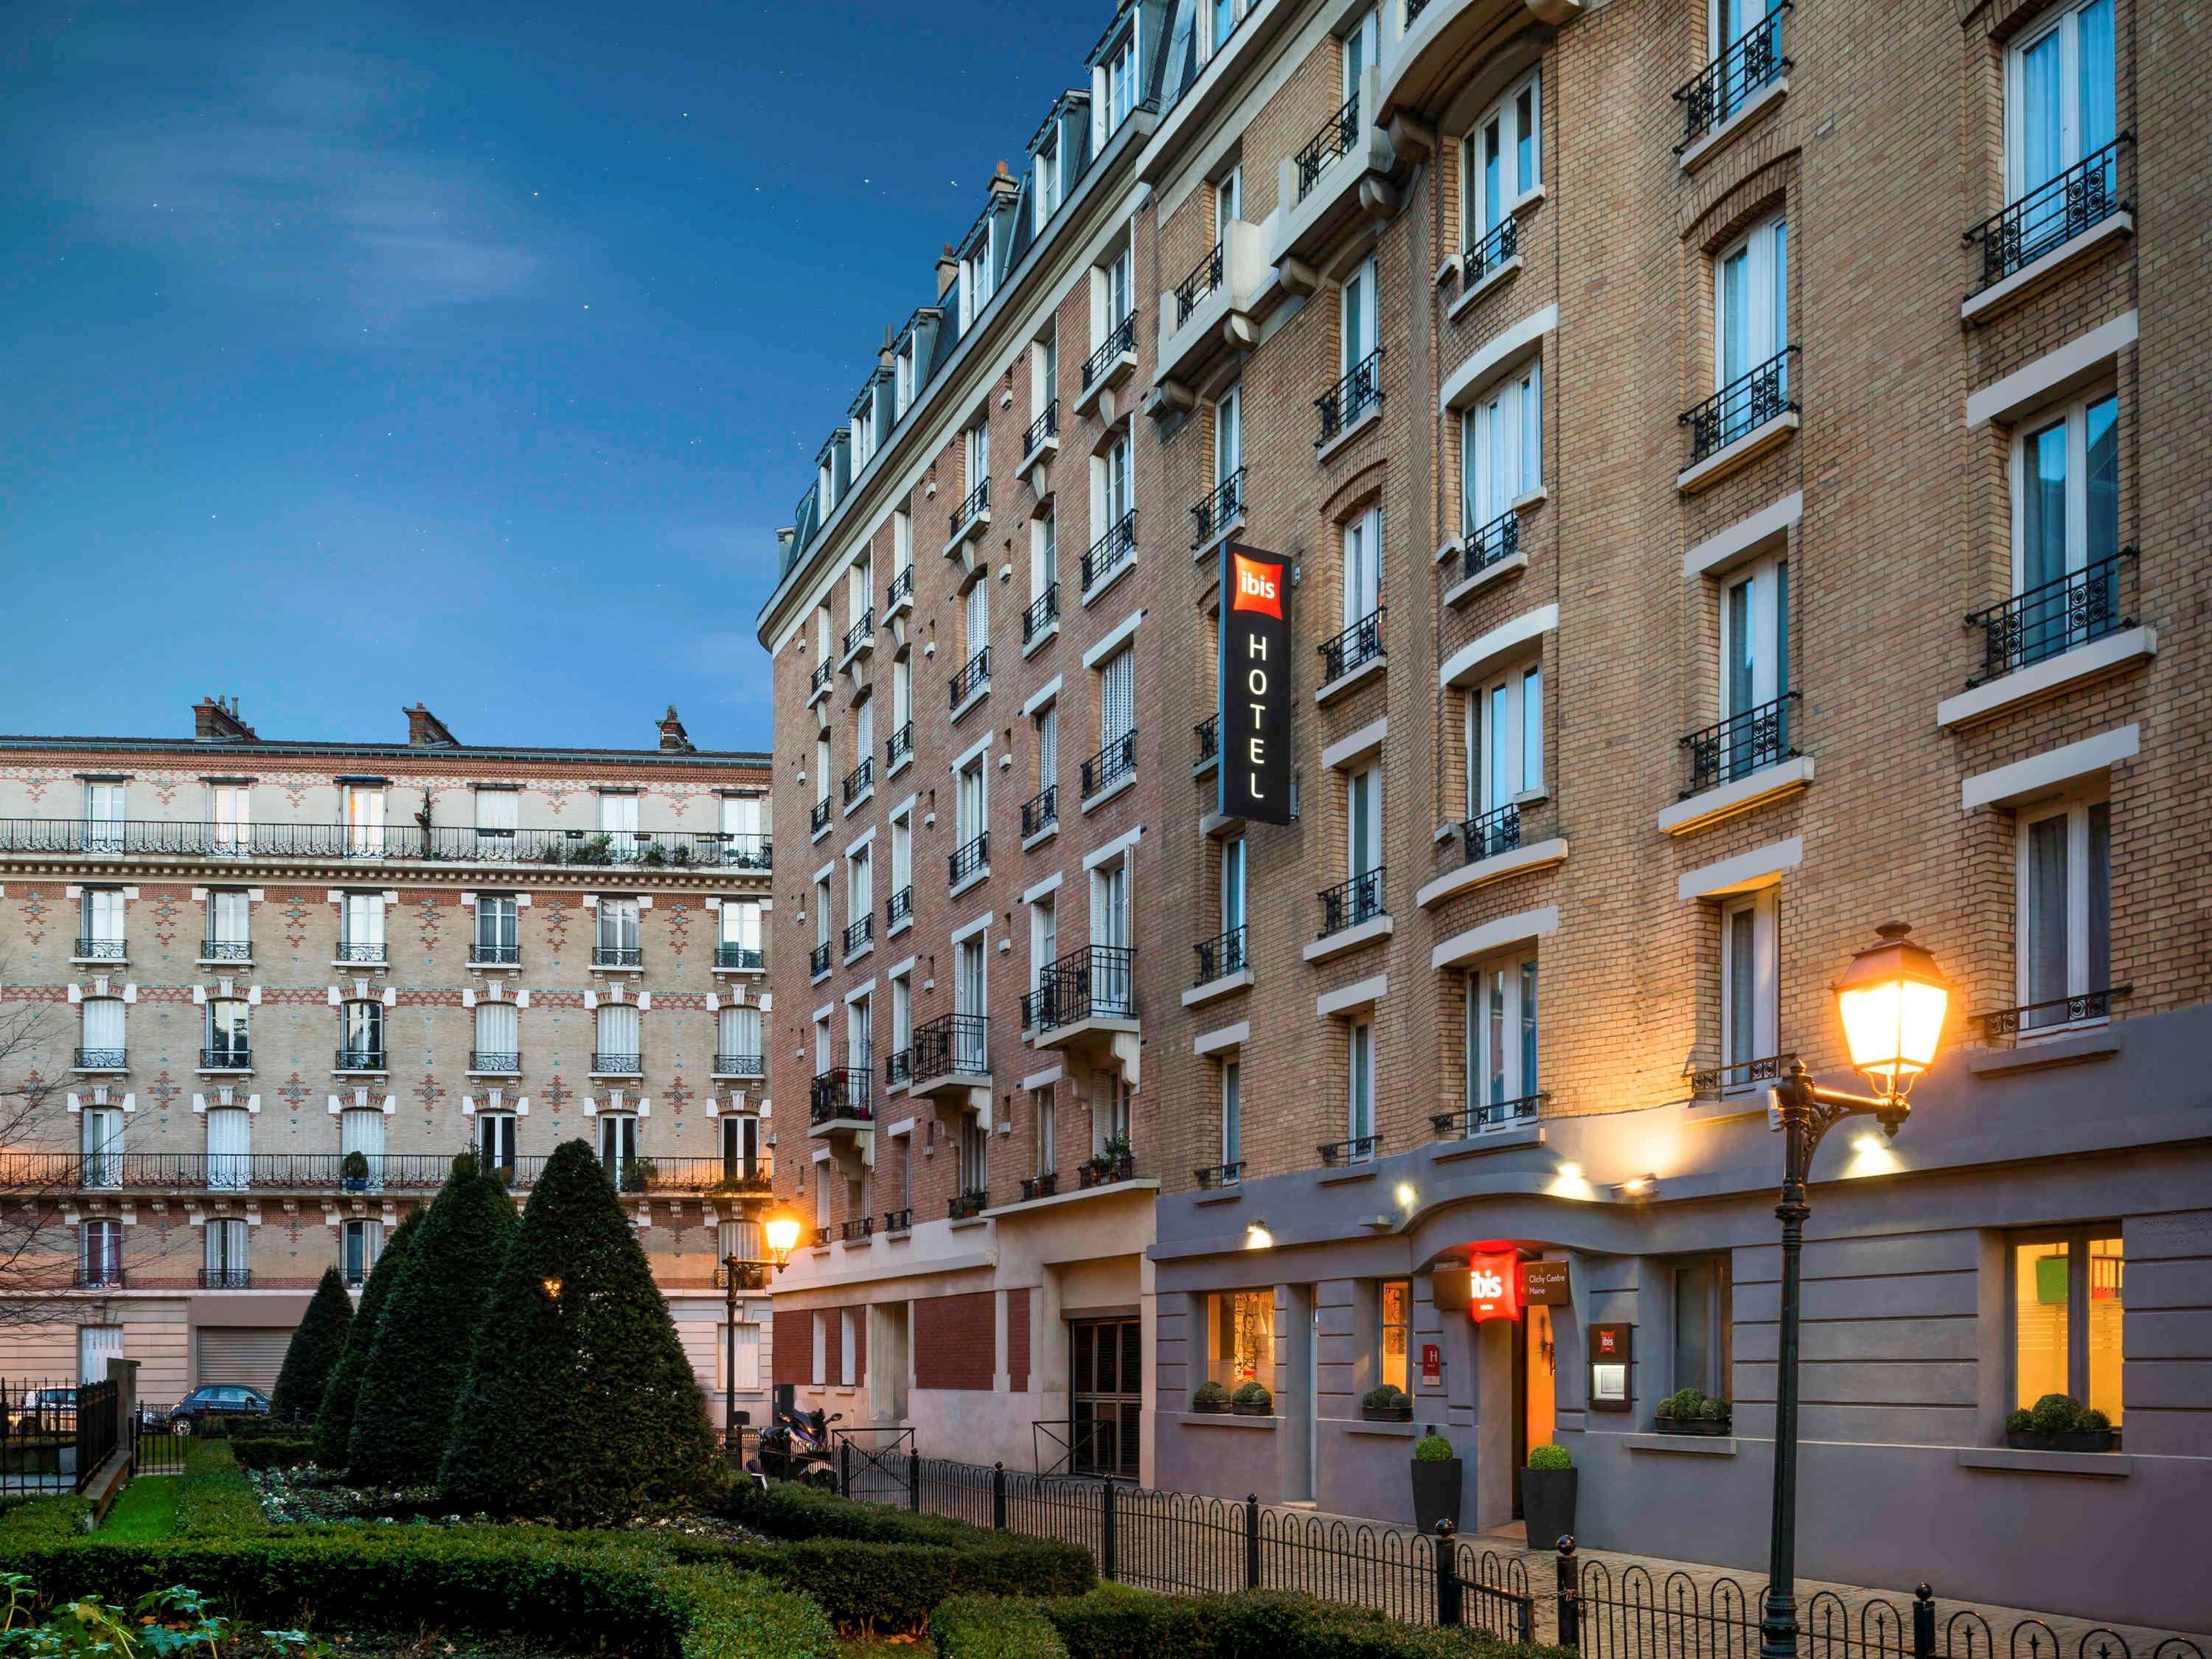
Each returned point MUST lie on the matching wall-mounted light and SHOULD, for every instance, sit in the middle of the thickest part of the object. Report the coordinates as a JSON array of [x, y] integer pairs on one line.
[[1642, 1186], [1405, 1195], [1257, 1238]]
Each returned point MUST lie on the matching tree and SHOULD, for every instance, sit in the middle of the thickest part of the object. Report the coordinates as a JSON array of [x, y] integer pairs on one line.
[[38, 1169], [427, 1335], [334, 1421], [581, 1405], [314, 1349]]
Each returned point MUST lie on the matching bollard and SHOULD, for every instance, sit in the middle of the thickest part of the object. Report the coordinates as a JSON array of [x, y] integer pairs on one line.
[[1569, 1583], [1445, 1554]]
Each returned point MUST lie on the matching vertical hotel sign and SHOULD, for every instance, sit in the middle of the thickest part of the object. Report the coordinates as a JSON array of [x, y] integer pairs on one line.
[[1255, 774]]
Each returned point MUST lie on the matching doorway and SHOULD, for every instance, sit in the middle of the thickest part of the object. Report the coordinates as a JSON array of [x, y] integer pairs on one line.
[[1535, 1418], [96, 1345], [1106, 1382], [887, 1344]]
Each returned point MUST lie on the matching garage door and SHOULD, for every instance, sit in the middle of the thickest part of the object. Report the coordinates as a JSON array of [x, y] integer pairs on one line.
[[241, 1354]]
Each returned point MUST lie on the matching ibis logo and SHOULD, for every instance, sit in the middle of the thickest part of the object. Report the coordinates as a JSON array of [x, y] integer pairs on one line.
[[1258, 587]]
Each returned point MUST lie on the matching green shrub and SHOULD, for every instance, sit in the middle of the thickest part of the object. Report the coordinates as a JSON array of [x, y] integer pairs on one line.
[[1210, 1392], [2055, 1413], [1550, 1456], [2094, 1421], [984, 1627], [1385, 1397], [2019, 1420], [334, 1421], [784, 1509], [1253, 1393], [213, 1497], [313, 1350], [887, 1586], [1433, 1448], [732, 1616], [1691, 1406], [1113, 1623], [270, 1452], [427, 1337], [532, 1433]]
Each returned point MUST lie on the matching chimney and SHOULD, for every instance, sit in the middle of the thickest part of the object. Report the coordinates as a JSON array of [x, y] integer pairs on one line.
[[890, 348], [215, 719], [1004, 186], [426, 731], [948, 271], [672, 735]]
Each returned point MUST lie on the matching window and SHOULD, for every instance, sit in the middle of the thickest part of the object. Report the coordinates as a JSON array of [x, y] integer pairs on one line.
[[616, 934], [227, 1040], [821, 773], [1048, 745], [100, 1131], [970, 991], [746, 1348], [1501, 448], [229, 1147], [1232, 1115], [969, 802], [1232, 893], [361, 938], [1044, 938], [1501, 1042], [498, 936], [902, 376], [361, 1129], [1751, 319], [975, 452], [821, 1320], [495, 1139], [1044, 552], [821, 910], [847, 1348], [1228, 201], [1504, 159], [361, 1036], [230, 816], [101, 916], [102, 1253], [901, 699], [1755, 659], [822, 1045], [1359, 52], [1362, 567], [498, 1037], [228, 931], [742, 1155], [1117, 703], [1109, 1111], [1394, 1321], [974, 1144], [498, 816], [1701, 1325], [1110, 919], [1505, 740], [821, 1219], [618, 1144], [225, 1251], [1047, 1131], [617, 1030], [102, 1033], [104, 813], [2066, 522], [361, 1242], [860, 886], [2060, 84], [1357, 322], [1359, 1096], [2068, 1309], [1047, 170], [977, 614], [738, 1041], [1748, 989], [2065, 855], [738, 933], [1120, 80], [902, 1013], [1224, 15], [619, 822], [362, 807], [858, 1041], [1228, 449], [1121, 298], [1116, 491], [901, 852], [1362, 803], [1240, 1338]]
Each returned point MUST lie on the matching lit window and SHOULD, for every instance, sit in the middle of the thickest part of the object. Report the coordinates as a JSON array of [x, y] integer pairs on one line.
[[1240, 1331], [1394, 1312], [1749, 988], [1501, 1042], [2068, 1310]]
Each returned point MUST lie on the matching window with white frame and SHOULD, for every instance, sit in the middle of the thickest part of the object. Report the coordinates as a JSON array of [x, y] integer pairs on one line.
[[1360, 50], [738, 934], [821, 910], [619, 1145], [738, 1041], [1754, 682], [619, 821], [902, 854], [224, 1257], [618, 1050], [100, 921], [616, 934], [2061, 85], [1121, 80], [1504, 159], [860, 885], [1233, 1116], [971, 994], [228, 936], [230, 816], [974, 1147], [743, 1151], [1223, 16], [100, 1138], [1360, 1092], [970, 801], [1363, 816], [361, 931], [228, 1044], [229, 1147], [2065, 856], [1046, 1110], [103, 817], [1109, 923], [863, 741], [363, 1241], [1751, 322], [975, 454], [1750, 988], [361, 1129], [849, 1347], [1358, 328], [498, 1037], [1501, 1042], [1362, 567], [1117, 710], [495, 1139], [1232, 899], [859, 1040], [100, 1042], [902, 1013], [361, 1036], [1228, 201], [2066, 524], [977, 615], [100, 1257], [1228, 444], [1505, 738], [499, 816], [1046, 200], [1047, 721], [363, 808], [498, 924], [902, 381], [822, 768], [1119, 292], [1115, 493], [1044, 936], [1044, 552], [821, 1044], [1502, 448]]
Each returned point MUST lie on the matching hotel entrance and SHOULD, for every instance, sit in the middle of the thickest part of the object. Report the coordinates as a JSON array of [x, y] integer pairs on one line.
[[1535, 1392]]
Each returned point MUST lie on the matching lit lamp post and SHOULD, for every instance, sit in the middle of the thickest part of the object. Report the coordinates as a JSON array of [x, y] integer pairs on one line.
[[1891, 999], [741, 1273]]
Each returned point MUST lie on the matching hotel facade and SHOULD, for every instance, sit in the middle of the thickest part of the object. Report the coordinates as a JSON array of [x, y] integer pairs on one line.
[[256, 994], [1740, 473]]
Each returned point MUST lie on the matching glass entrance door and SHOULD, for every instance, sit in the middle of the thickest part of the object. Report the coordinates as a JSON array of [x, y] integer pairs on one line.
[[1106, 1380]]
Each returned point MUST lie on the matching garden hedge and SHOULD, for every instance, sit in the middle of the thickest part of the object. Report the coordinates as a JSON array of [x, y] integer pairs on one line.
[[273, 1452], [865, 1586], [313, 1350], [334, 1421], [987, 1627], [785, 1508]]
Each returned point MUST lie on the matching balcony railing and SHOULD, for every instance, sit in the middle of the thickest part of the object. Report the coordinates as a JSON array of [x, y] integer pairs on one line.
[[899, 906], [818, 816], [482, 955], [1041, 810], [818, 960], [494, 1060], [843, 1092], [963, 1206], [899, 745], [950, 1045], [967, 858], [1742, 745], [1742, 406], [101, 1277], [1120, 340], [748, 957], [225, 1278], [438, 844], [311, 1172], [234, 1057], [861, 931], [818, 681], [1094, 983], [1501, 243], [1104, 1170], [618, 1065], [1492, 543], [2055, 616], [1218, 1175], [1360, 1149], [1041, 1186], [1488, 834], [1359, 391], [901, 587], [823, 1234], [102, 1059], [1350, 902], [1221, 955], [359, 1060], [1111, 551], [361, 953], [852, 1229], [1742, 1077], [739, 1066], [102, 950], [1205, 277], [975, 676], [1222, 506], [1718, 90], [2006, 1026], [1208, 733], [618, 955], [1110, 765], [1474, 1119], [899, 1068], [861, 780], [973, 506], [1336, 138], [860, 632], [1046, 425], [899, 1221], [1355, 648], [226, 949], [1043, 612]]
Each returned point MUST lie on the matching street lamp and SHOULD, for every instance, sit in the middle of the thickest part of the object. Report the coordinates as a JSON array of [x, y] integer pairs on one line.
[[1891, 999], [745, 1273]]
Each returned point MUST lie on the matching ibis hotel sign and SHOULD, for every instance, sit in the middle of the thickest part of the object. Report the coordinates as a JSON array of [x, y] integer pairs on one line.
[[1255, 774]]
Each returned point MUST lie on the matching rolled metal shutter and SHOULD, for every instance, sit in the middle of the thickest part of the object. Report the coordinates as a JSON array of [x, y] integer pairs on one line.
[[248, 1356]]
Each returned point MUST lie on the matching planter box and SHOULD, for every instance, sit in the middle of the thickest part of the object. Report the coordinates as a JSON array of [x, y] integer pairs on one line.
[[1547, 1506], [2072, 1440], [1210, 1408], [1713, 1427], [1388, 1413], [1436, 1493], [1257, 1408]]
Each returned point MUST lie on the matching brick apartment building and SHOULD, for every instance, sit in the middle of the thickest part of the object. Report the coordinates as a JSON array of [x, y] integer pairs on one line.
[[255, 994], [1738, 472]]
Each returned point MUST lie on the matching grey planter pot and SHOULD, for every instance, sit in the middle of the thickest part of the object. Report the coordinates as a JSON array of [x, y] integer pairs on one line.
[[1547, 1506], [1436, 1493]]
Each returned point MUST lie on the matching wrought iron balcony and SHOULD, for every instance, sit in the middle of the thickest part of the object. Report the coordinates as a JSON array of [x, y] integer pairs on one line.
[[1359, 391], [823, 1234], [1360, 1149], [1501, 243], [1492, 543], [1096, 981], [861, 931], [748, 957], [1742, 1077], [483, 955], [818, 960], [101, 1060], [973, 506], [1742, 745], [359, 1060], [102, 950], [818, 682], [967, 858], [494, 1060], [611, 1064], [100, 1277], [860, 632], [1041, 810], [1723, 86], [618, 955], [861, 780], [1218, 1175], [1046, 425], [1355, 648], [1350, 902], [1111, 551], [1120, 341], [855, 1228], [899, 906], [1043, 612], [899, 1068], [899, 745], [818, 816], [952, 1045], [1336, 138], [225, 1278], [2004, 1027], [2055, 616], [1041, 1186], [975, 676], [901, 589], [739, 1066], [1117, 760], [1204, 279], [1221, 955], [899, 1221], [966, 1205], [1742, 406], [2077, 200], [1414, 9], [324, 1172], [361, 953], [232, 1057], [1208, 732], [844, 1092], [1477, 1119], [1105, 1169], [1222, 506], [232, 843], [1488, 834], [226, 949]]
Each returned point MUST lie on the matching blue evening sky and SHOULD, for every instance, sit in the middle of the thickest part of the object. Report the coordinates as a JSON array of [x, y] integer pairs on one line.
[[375, 350]]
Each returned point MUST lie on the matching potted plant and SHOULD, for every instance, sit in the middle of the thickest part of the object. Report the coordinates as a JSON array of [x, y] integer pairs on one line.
[[353, 1171], [1211, 1398], [1692, 1411], [1253, 1399], [1547, 1496], [1436, 1482], [2058, 1422], [1386, 1403], [969, 1204]]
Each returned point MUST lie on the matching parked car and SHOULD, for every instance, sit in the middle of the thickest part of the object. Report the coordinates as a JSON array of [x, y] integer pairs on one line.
[[216, 1403], [42, 1411]]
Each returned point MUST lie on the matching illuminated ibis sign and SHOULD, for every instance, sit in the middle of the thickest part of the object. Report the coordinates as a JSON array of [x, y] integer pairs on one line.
[[1255, 773], [1494, 1283]]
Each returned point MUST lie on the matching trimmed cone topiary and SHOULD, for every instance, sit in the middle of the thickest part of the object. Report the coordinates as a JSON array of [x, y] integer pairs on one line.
[[334, 1421], [427, 1335], [313, 1352], [582, 1406]]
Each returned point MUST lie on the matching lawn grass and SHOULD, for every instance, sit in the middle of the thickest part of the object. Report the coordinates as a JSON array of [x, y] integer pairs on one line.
[[885, 1647], [147, 1508]]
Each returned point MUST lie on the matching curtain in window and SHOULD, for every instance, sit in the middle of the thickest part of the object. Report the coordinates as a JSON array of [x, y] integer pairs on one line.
[[497, 921], [230, 1148], [739, 1031], [364, 919], [227, 917], [364, 1032], [225, 1246], [619, 1030], [103, 1024], [1742, 986], [619, 924], [1117, 697], [498, 1028], [1232, 1113], [101, 1141], [227, 1033], [361, 1129]]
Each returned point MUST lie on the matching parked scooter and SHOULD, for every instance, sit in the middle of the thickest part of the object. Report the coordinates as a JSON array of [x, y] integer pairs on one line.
[[795, 1445]]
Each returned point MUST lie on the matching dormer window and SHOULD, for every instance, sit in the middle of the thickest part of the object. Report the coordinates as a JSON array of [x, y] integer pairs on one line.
[[1047, 184], [1121, 73], [903, 382]]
